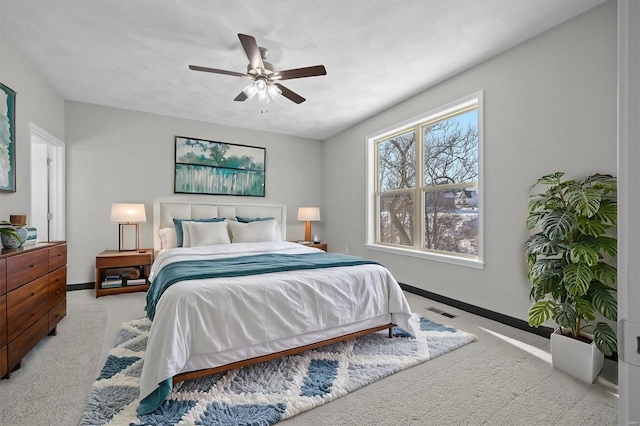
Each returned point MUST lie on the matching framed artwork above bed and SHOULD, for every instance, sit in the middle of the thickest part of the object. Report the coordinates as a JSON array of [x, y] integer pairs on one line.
[[218, 168]]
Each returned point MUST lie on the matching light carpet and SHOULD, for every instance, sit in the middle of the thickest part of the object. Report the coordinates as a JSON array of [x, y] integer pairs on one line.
[[264, 393]]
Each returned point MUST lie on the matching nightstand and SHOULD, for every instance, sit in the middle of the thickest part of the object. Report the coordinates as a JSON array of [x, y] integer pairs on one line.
[[123, 271], [321, 246]]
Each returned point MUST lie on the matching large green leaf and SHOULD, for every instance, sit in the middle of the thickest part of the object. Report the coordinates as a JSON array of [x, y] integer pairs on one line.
[[604, 301], [605, 338], [534, 218], [557, 226], [586, 201], [566, 315], [605, 273], [608, 244], [552, 179], [544, 285], [602, 182], [546, 268], [540, 244], [592, 227], [585, 309], [541, 312], [608, 212], [583, 254], [538, 202], [577, 277]]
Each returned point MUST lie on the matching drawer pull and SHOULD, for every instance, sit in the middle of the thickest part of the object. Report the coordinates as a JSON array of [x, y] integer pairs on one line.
[[32, 266], [33, 294], [57, 292]]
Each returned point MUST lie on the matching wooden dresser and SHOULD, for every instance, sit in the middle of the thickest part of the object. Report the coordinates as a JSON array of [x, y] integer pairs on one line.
[[33, 299]]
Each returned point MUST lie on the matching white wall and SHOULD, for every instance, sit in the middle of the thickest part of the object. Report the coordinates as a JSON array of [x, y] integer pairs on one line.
[[117, 155], [549, 105], [36, 101]]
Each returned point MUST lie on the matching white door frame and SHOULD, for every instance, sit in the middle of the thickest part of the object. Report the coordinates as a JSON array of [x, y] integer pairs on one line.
[[628, 212], [56, 181]]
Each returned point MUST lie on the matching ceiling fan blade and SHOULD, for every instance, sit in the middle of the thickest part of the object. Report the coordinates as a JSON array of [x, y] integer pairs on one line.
[[290, 94], [241, 97], [253, 53], [217, 71], [303, 72]]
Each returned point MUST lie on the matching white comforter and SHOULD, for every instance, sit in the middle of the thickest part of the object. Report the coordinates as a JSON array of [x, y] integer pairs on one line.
[[198, 319]]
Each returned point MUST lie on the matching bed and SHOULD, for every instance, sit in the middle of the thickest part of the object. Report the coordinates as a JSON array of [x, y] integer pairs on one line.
[[252, 297]]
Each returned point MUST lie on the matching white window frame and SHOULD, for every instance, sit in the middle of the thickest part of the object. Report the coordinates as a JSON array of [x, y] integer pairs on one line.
[[371, 170]]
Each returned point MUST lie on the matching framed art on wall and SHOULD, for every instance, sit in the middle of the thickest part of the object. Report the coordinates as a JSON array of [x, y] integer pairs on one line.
[[218, 168], [7, 139]]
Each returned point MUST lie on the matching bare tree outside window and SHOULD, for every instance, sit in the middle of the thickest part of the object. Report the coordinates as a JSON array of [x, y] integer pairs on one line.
[[396, 175], [440, 174], [450, 178]]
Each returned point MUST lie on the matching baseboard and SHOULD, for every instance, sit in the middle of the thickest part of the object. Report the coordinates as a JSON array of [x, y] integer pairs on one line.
[[83, 286], [486, 313], [476, 310]]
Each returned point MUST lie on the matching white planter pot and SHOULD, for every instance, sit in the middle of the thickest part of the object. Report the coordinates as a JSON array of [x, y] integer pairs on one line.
[[578, 359]]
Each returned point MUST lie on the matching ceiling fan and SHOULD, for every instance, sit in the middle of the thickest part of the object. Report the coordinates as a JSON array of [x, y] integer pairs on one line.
[[264, 74]]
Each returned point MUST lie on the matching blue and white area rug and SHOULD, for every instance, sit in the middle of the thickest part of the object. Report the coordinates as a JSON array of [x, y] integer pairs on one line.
[[264, 393]]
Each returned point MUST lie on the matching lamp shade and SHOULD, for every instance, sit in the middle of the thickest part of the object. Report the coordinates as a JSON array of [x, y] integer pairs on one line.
[[127, 213], [309, 214]]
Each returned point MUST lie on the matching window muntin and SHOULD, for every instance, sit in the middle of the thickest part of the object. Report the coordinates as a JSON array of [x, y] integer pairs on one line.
[[445, 219]]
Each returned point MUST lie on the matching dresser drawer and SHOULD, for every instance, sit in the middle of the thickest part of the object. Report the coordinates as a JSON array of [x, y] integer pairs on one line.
[[26, 305], [3, 321], [3, 276], [57, 286], [57, 257], [26, 267], [57, 313], [27, 340], [3, 362]]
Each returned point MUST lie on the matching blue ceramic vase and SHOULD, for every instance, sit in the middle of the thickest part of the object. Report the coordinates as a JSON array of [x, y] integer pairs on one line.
[[9, 241]]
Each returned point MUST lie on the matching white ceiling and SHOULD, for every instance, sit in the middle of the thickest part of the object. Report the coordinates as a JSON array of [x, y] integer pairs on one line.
[[134, 54]]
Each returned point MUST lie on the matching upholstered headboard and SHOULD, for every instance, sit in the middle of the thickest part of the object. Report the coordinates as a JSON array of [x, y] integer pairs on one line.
[[164, 211]]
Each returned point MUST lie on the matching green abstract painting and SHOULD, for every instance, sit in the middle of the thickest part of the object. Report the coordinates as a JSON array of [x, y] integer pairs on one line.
[[7, 139], [219, 168]]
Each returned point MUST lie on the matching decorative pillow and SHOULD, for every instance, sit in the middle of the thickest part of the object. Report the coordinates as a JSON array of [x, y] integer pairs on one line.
[[253, 219], [168, 238], [206, 233], [263, 230], [179, 231]]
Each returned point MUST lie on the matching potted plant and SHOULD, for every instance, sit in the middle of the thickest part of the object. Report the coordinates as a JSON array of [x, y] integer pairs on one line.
[[570, 267]]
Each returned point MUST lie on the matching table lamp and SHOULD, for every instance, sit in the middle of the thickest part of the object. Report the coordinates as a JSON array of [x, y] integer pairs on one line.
[[308, 214], [128, 215]]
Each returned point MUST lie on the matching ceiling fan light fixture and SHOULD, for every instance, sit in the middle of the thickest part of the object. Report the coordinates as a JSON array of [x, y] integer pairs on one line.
[[274, 92], [263, 97], [250, 90]]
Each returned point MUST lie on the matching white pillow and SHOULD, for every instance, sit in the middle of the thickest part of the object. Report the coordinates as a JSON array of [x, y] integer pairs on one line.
[[205, 233], [168, 238], [263, 230]]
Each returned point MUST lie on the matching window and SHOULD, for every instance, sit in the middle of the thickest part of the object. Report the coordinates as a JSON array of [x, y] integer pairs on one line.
[[424, 179]]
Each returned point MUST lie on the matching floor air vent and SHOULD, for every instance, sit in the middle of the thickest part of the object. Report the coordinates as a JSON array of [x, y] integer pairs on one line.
[[441, 312]]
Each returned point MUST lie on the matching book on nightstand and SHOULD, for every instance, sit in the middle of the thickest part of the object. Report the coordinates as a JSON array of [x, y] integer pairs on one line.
[[111, 283], [137, 281]]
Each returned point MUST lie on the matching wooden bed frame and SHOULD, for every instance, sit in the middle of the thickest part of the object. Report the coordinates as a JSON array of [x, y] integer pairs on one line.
[[164, 210], [206, 372]]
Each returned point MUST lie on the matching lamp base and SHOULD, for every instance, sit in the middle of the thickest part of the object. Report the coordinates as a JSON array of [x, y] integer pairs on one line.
[[307, 231], [121, 238]]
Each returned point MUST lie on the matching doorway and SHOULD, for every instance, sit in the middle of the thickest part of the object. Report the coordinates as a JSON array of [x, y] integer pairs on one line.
[[47, 184]]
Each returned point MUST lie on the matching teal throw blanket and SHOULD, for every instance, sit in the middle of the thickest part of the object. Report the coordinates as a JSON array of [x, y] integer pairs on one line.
[[241, 266]]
